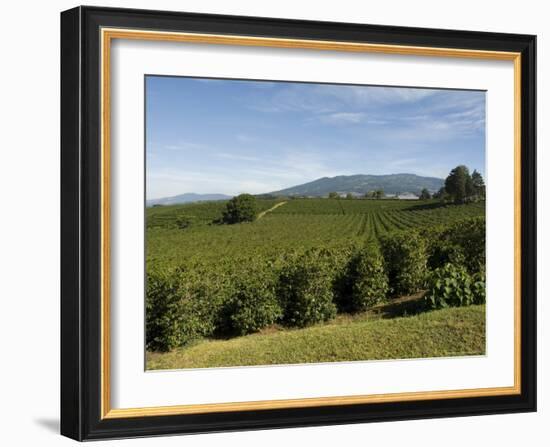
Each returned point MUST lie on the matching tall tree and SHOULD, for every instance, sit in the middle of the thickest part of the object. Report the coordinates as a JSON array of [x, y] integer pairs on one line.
[[333, 195], [478, 185], [379, 193], [458, 184]]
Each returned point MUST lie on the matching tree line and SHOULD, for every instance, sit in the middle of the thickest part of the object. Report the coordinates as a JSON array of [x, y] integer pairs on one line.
[[461, 186]]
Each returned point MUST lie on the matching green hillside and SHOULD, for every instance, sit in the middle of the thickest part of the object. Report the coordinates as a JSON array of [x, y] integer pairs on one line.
[[441, 333]]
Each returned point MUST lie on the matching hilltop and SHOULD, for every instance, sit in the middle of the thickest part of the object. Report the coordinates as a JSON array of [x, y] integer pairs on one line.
[[360, 184]]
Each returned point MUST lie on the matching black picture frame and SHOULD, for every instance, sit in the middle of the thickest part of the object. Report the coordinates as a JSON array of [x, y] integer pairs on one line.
[[81, 223]]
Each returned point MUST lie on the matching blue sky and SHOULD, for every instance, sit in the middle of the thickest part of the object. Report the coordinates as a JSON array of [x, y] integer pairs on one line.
[[229, 136]]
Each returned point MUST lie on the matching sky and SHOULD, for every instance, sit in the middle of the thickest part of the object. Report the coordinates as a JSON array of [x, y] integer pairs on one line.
[[234, 136]]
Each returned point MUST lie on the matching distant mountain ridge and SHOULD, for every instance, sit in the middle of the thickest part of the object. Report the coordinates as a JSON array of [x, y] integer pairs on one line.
[[360, 184], [187, 198]]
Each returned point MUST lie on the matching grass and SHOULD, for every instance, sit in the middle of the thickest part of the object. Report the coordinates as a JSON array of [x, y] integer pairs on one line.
[[375, 335]]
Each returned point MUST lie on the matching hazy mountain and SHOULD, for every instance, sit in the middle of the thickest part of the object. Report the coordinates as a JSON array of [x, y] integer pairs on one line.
[[361, 184], [187, 198]]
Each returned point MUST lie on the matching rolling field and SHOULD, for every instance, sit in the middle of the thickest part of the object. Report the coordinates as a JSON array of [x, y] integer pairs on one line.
[[212, 256], [297, 224]]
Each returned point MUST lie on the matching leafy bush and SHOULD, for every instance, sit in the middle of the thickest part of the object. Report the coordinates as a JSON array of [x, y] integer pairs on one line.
[[462, 242], [253, 304], [452, 286], [469, 235], [479, 287], [183, 221], [364, 282], [180, 307], [242, 208], [162, 307], [405, 259], [440, 250], [305, 290]]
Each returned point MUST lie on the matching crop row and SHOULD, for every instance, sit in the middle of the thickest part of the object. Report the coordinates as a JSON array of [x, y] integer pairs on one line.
[[277, 233], [243, 294]]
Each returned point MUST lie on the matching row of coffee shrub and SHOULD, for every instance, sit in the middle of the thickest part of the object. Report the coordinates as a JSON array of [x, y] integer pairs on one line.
[[239, 296]]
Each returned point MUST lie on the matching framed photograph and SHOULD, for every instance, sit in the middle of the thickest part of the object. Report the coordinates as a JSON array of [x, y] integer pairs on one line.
[[276, 223]]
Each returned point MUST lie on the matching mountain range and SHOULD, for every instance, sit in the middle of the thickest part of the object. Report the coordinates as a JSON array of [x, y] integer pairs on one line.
[[187, 198], [360, 184], [356, 184]]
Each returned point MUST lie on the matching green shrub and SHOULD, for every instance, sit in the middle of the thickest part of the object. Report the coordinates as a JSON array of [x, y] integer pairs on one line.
[[242, 208], [253, 304], [364, 282], [469, 235], [440, 250], [180, 307], [479, 287], [305, 290], [405, 259], [183, 221], [162, 309], [462, 242], [452, 286]]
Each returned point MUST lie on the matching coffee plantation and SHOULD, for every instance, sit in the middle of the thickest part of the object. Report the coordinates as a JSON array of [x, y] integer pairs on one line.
[[303, 262]]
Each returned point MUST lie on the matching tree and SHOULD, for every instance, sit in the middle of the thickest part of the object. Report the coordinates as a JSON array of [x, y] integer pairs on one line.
[[469, 187], [478, 185], [425, 194], [379, 194], [333, 195], [441, 194], [458, 184], [242, 208], [349, 196]]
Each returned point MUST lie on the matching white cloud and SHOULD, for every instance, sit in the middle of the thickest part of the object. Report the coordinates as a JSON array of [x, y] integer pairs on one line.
[[372, 95], [239, 157], [184, 146], [344, 118], [245, 138]]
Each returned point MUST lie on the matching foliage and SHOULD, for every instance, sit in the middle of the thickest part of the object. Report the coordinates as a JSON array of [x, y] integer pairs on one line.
[[462, 242], [183, 221], [441, 195], [452, 286], [242, 208], [456, 183], [349, 196], [425, 194], [333, 195], [253, 304], [200, 213], [478, 185], [461, 187], [305, 290], [405, 259], [223, 278], [179, 309], [364, 282]]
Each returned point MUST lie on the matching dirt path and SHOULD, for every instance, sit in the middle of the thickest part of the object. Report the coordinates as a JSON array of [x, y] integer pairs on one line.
[[263, 213]]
